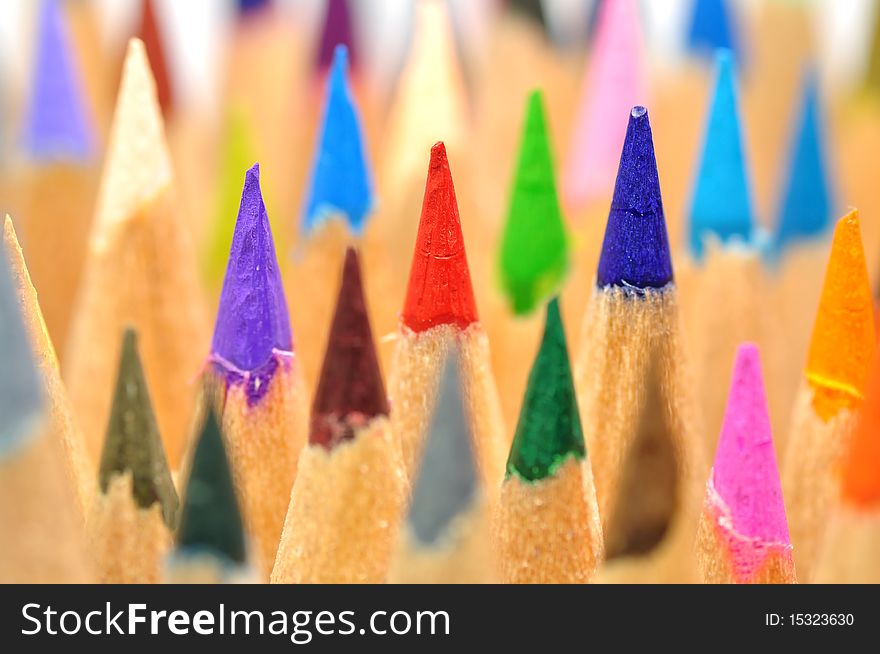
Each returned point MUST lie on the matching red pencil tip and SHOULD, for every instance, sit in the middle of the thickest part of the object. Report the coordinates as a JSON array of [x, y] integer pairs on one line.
[[350, 390], [150, 33], [439, 289]]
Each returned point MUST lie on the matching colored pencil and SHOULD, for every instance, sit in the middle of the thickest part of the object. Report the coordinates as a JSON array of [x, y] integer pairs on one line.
[[837, 369], [743, 535], [711, 27], [429, 105], [651, 520], [440, 312], [342, 520], [634, 311], [549, 527], [211, 545], [60, 177], [63, 424], [152, 35], [135, 512], [446, 535], [800, 245], [782, 42], [338, 203], [615, 80], [140, 270], [850, 550], [264, 407], [724, 257], [84, 22], [533, 259], [40, 522]]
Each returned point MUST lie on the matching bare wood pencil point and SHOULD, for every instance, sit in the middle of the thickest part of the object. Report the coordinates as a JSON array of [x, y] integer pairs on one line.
[[140, 270]]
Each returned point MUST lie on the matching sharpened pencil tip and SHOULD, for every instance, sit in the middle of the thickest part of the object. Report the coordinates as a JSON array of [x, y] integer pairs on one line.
[[252, 319], [132, 443], [350, 389], [57, 125], [722, 205], [534, 256], [439, 290], [844, 341], [341, 182], [635, 251], [745, 474], [549, 429]]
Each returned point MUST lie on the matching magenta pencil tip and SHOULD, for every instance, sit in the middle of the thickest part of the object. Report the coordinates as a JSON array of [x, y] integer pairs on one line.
[[745, 474]]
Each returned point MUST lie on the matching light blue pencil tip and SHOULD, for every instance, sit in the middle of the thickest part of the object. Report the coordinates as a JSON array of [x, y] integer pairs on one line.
[[56, 124], [721, 205], [807, 204], [341, 180]]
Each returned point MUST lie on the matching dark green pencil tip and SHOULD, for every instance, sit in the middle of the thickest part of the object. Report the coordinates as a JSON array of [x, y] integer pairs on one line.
[[210, 519], [549, 427], [132, 442]]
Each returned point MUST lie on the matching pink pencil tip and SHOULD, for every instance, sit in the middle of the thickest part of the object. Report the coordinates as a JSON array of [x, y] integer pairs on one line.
[[745, 475], [616, 80]]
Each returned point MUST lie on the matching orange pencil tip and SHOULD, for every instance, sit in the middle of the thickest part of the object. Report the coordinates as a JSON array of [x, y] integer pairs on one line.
[[843, 341]]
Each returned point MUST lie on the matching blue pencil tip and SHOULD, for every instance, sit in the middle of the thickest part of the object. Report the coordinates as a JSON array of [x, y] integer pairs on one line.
[[252, 320], [635, 252], [721, 205], [246, 7], [56, 125], [341, 180], [807, 205], [711, 27], [21, 398]]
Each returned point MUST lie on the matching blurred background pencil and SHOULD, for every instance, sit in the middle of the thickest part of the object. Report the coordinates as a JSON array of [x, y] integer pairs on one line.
[[78, 465], [211, 544], [850, 550], [446, 534], [41, 524], [140, 269]]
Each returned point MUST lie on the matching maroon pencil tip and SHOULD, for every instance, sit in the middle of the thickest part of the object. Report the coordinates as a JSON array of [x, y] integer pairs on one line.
[[350, 389]]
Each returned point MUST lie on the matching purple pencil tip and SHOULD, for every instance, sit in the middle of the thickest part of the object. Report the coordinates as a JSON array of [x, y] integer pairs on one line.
[[337, 31], [252, 320], [635, 253]]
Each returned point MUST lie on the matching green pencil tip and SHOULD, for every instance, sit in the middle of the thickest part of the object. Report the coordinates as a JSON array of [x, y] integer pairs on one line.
[[210, 519], [549, 429], [133, 443], [534, 255]]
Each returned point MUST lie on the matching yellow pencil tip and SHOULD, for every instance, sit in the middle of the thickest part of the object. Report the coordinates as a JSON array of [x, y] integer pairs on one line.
[[842, 346]]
